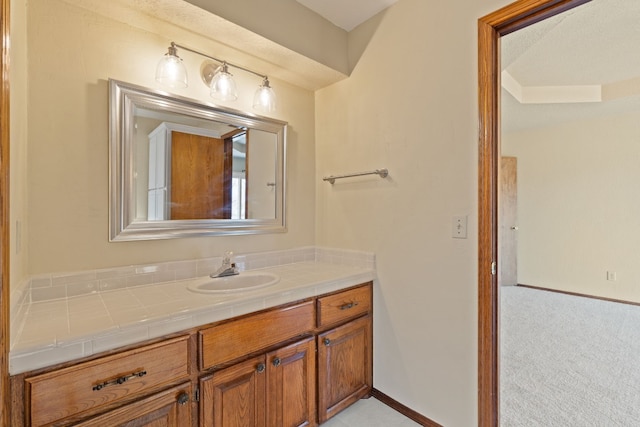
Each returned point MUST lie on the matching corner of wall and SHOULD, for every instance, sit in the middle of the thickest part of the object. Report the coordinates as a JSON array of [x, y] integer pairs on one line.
[[18, 146]]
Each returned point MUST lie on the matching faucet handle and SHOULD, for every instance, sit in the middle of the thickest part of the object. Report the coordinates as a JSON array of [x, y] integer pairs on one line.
[[227, 257]]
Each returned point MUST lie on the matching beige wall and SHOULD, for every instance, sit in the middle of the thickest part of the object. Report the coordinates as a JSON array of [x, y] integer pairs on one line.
[[410, 105], [424, 130], [18, 145], [72, 53], [579, 204]]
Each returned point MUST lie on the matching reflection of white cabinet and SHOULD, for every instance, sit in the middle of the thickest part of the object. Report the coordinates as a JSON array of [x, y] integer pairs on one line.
[[159, 170], [261, 174]]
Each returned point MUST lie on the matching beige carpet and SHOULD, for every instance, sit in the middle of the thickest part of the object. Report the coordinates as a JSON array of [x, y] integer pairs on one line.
[[568, 361]]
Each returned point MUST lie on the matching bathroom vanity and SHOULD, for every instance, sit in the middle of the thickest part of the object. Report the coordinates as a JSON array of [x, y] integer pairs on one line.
[[296, 363]]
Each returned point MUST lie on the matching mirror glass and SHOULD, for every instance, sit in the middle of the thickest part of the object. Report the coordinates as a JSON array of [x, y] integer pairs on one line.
[[180, 168]]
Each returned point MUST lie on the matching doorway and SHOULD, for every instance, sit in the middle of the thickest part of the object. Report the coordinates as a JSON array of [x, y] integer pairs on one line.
[[507, 221], [490, 28]]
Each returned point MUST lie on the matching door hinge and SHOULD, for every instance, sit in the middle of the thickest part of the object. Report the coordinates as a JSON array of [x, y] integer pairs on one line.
[[493, 268], [196, 395]]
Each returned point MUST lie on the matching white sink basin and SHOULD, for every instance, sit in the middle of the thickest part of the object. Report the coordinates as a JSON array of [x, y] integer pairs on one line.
[[245, 281]]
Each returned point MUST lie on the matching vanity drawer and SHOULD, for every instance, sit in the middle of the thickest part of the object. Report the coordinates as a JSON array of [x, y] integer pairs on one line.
[[237, 338], [87, 386], [344, 305]]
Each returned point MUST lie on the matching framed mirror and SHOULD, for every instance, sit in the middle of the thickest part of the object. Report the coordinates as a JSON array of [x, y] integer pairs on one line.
[[180, 168]]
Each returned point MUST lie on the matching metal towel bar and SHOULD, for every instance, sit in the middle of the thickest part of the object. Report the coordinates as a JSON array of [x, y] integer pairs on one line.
[[382, 172]]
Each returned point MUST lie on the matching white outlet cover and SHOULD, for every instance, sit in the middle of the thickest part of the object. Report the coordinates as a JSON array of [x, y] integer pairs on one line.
[[459, 227]]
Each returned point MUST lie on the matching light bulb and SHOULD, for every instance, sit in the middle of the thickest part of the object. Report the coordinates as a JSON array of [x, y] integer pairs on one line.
[[171, 71], [223, 87], [265, 98]]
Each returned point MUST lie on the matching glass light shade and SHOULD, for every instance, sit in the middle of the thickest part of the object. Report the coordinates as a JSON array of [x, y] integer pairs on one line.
[[223, 87], [265, 98], [171, 71]]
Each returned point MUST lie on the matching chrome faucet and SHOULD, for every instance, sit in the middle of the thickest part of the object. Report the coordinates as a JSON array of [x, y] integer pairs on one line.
[[227, 268]]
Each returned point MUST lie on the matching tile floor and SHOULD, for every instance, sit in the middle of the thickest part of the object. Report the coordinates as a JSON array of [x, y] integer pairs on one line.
[[370, 413]]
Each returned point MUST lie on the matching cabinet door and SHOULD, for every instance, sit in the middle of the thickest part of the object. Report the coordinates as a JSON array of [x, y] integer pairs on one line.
[[234, 397], [344, 366], [291, 389], [169, 408]]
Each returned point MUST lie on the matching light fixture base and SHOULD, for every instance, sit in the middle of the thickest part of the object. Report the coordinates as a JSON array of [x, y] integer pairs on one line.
[[207, 70]]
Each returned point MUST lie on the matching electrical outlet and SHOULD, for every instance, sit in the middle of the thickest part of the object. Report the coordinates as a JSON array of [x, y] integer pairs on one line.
[[459, 230], [611, 276]]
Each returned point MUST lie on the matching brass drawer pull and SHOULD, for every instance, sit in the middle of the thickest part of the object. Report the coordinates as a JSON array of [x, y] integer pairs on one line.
[[119, 380], [348, 305]]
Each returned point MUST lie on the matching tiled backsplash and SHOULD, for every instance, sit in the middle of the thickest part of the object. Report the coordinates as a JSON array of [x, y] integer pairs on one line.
[[63, 285], [73, 325]]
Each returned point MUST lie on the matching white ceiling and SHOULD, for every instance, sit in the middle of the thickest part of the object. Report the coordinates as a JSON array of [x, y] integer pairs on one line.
[[347, 14], [580, 64]]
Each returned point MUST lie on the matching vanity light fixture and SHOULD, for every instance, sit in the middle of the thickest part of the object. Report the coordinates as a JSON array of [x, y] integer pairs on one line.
[[265, 98], [172, 72], [222, 85]]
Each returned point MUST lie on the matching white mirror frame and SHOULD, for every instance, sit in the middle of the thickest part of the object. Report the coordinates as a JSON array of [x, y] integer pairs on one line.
[[123, 99]]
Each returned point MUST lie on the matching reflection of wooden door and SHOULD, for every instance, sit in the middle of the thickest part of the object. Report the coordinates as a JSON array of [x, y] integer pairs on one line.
[[508, 217], [201, 169]]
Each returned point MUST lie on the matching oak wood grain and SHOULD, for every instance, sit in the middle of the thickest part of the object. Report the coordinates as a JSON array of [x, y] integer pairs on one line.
[[234, 396], [231, 340], [70, 391], [158, 410], [345, 366], [345, 305], [291, 385]]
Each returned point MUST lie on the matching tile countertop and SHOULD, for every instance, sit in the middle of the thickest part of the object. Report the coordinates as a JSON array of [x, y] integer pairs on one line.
[[69, 328]]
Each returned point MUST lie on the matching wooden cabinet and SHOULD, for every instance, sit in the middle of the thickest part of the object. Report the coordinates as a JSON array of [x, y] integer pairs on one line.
[[234, 396], [87, 387], [170, 408], [276, 389], [339, 307], [236, 338], [294, 365], [344, 366], [345, 353], [291, 385]]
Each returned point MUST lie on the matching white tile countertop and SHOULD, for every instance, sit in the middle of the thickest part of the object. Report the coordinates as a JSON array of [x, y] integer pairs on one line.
[[63, 329]]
